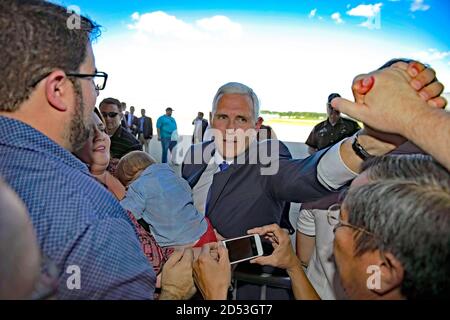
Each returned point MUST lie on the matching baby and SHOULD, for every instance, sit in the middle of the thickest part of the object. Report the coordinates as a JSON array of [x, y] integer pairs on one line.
[[164, 201]]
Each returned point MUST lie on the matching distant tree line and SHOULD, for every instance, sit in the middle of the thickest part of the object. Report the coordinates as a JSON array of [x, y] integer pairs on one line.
[[297, 115]]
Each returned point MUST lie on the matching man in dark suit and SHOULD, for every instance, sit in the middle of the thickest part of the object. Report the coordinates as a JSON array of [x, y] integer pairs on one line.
[[200, 127], [240, 183], [123, 122], [145, 130], [132, 122]]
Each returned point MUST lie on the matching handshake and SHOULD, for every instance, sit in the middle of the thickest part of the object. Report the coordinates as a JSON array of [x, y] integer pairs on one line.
[[392, 98], [402, 101]]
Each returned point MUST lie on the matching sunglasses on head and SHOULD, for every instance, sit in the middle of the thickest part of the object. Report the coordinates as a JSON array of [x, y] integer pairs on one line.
[[109, 114]]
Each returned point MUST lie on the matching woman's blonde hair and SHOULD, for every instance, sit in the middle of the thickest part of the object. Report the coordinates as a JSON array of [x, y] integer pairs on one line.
[[131, 165]]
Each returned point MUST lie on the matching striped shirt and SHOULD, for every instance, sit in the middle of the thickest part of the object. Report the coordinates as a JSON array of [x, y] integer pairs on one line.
[[123, 142]]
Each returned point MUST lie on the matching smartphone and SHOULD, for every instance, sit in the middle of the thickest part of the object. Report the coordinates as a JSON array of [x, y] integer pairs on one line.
[[243, 248]]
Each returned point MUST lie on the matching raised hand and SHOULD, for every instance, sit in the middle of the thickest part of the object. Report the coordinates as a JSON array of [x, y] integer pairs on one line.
[[283, 255], [212, 272]]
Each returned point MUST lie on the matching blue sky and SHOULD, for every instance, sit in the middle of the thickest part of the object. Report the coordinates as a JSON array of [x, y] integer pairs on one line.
[[292, 53], [430, 20]]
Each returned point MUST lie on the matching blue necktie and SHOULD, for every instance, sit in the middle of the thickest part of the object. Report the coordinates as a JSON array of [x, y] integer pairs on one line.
[[223, 167]]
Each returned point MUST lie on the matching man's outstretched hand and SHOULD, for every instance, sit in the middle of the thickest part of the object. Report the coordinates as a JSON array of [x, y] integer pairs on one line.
[[392, 99], [422, 79]]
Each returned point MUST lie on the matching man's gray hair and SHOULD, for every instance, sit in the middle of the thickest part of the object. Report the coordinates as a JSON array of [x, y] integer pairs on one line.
[[411, 220], [417, 167], [237, 88]]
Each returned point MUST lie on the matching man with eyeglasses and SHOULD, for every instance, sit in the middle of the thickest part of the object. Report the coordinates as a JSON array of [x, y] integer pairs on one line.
[[391, 236], [46, 103], [332, 130], [122, 141]]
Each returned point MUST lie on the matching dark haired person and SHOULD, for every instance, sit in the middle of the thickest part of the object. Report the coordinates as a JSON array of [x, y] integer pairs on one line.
[[145, 130], [228, 186], [46, 103], [200, 124], [332, 130], [122, 141], [391, 237]]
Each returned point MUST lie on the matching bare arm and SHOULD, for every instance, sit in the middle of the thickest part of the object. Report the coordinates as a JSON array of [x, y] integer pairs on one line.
[[304, 247], [432, 134], [372, 145]]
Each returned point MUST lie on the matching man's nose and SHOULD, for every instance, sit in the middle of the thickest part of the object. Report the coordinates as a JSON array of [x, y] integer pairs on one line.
[[231, 125]]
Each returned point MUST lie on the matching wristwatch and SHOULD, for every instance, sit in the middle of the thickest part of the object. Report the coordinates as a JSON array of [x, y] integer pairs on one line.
[[359, 150]]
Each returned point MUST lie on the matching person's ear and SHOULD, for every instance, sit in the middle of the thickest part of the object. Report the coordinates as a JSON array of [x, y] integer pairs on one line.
[[259, 123], [56, 87], [392, 274]]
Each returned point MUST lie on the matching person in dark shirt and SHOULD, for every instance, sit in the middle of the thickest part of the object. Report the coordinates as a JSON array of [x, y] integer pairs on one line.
[[122, 141], [332, 130]]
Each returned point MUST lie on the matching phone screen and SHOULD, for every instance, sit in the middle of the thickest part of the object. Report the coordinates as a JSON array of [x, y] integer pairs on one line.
[[241, 249]]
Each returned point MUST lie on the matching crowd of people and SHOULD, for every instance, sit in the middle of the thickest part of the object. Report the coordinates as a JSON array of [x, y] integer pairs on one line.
[[87, 213]]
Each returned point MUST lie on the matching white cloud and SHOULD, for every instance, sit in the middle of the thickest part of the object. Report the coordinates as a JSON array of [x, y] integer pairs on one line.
[[312, 14], [161, 24], [185, 75], [419, 5], [371, 11], [220, 25], [431, 55], [337, 18], [363, 10]]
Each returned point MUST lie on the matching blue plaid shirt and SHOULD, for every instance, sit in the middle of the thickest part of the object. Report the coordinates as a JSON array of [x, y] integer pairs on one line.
[[77, 221]]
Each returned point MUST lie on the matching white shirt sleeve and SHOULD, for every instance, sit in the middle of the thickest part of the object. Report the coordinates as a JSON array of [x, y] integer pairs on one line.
[[305, 223], [332, 172]]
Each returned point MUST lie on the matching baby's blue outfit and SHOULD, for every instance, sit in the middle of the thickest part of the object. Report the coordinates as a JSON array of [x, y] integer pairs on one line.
[[165, 202]]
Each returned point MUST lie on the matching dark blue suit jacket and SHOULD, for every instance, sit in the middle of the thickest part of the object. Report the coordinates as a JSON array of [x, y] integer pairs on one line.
[[242, 198]]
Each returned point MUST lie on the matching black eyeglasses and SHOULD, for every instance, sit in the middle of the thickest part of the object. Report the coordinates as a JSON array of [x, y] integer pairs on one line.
[[99, 78], [109, 114]]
